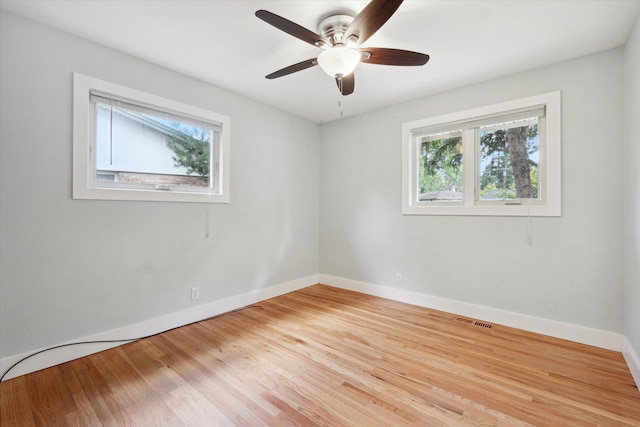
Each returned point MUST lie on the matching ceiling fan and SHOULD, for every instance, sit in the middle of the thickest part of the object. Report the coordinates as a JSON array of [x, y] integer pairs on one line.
[[340, 37]]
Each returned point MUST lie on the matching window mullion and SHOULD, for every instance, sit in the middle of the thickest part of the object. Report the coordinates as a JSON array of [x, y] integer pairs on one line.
[[415, 167], [469, 149]]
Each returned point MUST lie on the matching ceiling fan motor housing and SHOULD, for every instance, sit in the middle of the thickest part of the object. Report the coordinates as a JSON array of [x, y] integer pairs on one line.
[[334, 27]]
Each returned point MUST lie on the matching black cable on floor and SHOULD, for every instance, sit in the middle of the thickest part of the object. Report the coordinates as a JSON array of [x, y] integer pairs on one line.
[[124, 340]]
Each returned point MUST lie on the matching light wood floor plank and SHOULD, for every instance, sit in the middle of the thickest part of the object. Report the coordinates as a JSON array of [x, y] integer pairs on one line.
[[323, 356], [15, 407]]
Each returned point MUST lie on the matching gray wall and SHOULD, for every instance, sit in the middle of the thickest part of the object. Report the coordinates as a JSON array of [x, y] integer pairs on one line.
[[572, 272], [71, 268], [632, 189]]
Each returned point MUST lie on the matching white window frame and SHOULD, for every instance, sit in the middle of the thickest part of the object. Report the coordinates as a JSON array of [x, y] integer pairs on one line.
[[85, 186], [550, 161]]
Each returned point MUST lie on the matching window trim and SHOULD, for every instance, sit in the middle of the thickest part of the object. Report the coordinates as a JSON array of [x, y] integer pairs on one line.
[[550, 205], [84, 187]]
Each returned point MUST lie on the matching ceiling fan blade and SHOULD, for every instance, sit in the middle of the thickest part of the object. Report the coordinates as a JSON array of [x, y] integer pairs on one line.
[[292, 28], [346, 84], [293, 68], [370, 19], [384, 56]]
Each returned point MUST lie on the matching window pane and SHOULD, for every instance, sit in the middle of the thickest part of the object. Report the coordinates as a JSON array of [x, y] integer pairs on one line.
[[142, 148], [440, 168], [509, 161]]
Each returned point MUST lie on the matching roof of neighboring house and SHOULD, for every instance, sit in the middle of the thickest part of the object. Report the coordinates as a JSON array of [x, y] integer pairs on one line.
[[440, 195], [148, 122]]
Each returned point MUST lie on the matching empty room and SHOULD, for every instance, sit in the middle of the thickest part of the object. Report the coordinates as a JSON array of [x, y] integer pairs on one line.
[[319, 213]]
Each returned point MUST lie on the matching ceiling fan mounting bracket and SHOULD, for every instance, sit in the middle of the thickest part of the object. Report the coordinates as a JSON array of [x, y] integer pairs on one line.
[[334, 27]]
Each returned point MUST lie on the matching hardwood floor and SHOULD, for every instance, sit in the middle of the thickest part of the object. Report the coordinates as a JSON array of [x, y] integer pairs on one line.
[[323, 356]]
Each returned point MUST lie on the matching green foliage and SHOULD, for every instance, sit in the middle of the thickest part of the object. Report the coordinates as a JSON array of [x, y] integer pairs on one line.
[[440, 153], [447, 178], [501, 193], [191, 152], [534, 181], [440, 168], [497, 173]]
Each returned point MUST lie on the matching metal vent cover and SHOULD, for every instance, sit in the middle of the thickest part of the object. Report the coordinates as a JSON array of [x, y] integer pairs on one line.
[[474, 322], [483, 324]]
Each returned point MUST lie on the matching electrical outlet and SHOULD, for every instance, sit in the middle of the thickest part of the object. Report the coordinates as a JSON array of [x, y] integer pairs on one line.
[[195, 292], [398, 278]]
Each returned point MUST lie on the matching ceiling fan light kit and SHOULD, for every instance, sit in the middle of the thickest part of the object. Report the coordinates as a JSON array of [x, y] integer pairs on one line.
[[341, 37], [339, 61]]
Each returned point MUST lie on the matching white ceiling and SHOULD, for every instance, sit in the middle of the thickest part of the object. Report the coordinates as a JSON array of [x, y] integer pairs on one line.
[[223, 43]]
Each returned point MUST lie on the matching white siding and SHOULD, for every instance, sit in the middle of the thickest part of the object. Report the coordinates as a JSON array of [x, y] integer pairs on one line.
[[134, 147]]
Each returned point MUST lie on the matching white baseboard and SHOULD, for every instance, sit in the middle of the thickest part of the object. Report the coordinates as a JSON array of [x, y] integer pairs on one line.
[[567, 331], [145, 328], [633, 362], [581, 334]]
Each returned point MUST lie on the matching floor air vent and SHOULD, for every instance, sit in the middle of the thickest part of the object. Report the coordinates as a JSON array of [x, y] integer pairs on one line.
[[482, 324], [474, 322]]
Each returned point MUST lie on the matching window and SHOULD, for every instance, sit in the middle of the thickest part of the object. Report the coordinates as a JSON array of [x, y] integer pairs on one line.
[[502, 159], [131, 145]]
